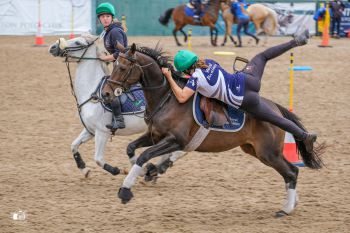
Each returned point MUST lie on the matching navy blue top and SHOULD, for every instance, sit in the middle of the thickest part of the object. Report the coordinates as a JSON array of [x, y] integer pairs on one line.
[[114, 34]]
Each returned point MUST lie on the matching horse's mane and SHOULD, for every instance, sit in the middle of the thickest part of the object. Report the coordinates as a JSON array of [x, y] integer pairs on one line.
[[162, 60], [156, 53]]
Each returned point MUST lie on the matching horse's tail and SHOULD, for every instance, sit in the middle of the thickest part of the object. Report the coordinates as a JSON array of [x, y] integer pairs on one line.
[[271, 22], [164, 18], [311, 160]]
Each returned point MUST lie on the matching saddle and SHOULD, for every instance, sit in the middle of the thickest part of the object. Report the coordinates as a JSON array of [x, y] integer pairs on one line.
[[216, 115], [214, 112]]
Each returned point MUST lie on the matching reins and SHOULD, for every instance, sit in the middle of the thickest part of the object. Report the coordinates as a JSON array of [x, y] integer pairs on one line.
[[93, 96]]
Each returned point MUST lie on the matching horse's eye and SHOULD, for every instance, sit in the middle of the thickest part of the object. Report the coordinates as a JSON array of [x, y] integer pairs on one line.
[[77, 43]]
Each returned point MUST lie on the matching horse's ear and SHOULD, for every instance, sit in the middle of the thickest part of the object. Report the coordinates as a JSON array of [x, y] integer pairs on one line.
[[120, 47], [133, 48]]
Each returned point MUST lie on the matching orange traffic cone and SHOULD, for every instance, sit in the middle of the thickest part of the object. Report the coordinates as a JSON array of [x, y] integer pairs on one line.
[[39, 39], [325, 33], [290, 150]]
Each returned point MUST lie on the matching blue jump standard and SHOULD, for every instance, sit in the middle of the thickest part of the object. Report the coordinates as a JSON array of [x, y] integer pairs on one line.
[[301, 68]]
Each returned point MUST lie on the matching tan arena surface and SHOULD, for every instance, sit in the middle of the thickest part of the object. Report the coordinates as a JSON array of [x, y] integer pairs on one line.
[[203, 192]]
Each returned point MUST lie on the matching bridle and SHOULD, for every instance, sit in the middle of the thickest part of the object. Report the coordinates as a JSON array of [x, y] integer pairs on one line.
[[123, 83], [66, 51], [94, 97]]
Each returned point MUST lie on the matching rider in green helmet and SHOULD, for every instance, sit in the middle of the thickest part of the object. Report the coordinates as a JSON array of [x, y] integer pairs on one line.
[[184, 59], [112, 34], [241, 89]]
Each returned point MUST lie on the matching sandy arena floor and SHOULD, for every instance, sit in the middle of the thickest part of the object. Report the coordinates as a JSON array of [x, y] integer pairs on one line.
[[218, 192]]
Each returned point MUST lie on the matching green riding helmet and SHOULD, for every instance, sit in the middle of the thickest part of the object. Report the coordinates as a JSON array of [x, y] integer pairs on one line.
[[105, 8], [184, 59]]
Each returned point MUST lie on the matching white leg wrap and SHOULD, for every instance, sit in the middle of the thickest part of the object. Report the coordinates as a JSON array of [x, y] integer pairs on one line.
[[133, 160], [291, 202], [177, 155], [130, 179]]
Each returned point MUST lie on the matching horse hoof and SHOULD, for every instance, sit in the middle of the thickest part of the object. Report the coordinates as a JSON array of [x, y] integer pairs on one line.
[[222, 44], [152, 172], [179, 44], [280, 214], [86, 172], [125, 195]]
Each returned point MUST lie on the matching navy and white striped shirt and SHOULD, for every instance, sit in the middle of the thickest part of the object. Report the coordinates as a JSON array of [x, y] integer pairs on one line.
[[215, 82]]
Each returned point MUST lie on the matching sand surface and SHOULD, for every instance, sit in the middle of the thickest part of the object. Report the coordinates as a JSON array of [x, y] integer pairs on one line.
[[213, 192]]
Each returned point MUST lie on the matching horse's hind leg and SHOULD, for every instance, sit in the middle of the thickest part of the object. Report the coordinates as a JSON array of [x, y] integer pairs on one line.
[[177, 28], [184, 33], [83, 137], [213, 35], [272, 156], [101, 139]]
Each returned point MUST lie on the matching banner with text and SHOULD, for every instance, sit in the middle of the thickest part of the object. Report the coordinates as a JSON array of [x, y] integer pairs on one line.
[[21, 17], [345, 21], [294, 16]]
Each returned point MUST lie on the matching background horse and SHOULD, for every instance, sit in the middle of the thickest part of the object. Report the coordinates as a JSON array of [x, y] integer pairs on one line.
[[181, 20], [168, 132], [264, 19], [90, 70]]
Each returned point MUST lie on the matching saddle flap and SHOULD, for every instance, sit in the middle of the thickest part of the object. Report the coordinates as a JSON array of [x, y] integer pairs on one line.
[[214, 112]]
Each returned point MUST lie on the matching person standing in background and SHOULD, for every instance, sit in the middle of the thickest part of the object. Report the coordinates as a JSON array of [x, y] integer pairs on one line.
[[337, 7]]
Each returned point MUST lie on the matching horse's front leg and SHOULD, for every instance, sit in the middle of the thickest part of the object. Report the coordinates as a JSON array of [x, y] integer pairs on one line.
[[83, 137], [101, 139], [166, 145], [162, 165], [143, 141]]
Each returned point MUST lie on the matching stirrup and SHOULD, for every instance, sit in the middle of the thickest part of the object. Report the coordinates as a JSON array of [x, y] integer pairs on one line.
[[241, 59]]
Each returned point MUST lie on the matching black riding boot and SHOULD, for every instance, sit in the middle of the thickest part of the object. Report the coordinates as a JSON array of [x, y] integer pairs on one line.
[[196, 18], [197, 13], [117, 119]]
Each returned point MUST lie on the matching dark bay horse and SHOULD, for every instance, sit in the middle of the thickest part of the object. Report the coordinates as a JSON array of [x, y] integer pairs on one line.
[[171, 125], [181, 19]]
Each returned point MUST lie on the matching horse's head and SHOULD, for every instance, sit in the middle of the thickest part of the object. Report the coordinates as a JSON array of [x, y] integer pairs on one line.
[[75, 48], [126, 72]]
